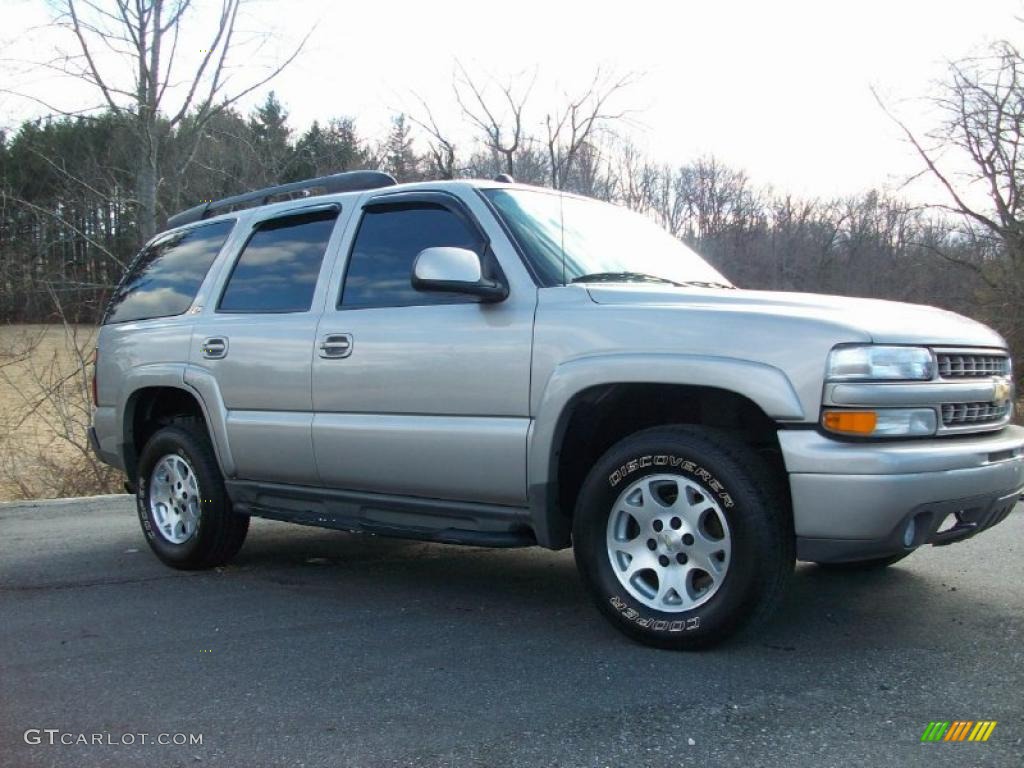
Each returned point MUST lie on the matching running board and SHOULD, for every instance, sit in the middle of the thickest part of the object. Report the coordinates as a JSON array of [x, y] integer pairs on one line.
[[406, 517]]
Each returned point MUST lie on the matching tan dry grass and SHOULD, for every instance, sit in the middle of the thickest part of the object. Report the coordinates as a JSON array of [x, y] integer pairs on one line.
[[45, 408]]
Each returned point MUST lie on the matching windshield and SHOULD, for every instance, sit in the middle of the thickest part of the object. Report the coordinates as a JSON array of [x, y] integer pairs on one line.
[[599, 242]]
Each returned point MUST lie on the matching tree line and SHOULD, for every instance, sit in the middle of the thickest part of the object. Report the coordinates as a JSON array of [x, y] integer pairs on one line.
[[69, 224], [79, 193]]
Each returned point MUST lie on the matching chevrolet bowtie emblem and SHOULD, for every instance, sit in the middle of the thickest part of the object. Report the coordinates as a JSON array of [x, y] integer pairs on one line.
[[1001, 391]]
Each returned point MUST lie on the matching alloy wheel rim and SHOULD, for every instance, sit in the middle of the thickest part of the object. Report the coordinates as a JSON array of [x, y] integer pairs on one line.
[[668, 542], [174, 500]]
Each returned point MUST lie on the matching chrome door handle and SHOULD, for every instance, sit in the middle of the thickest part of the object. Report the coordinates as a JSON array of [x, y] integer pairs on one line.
[[215, 348], [336, 345]]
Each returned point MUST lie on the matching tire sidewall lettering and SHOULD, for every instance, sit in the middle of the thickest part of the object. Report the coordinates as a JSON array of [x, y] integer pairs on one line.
[[672, 462], [656, 625], [143, 506]]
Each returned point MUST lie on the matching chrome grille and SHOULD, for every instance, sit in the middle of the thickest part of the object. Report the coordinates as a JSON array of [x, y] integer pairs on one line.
[[962, 414], [971, 366]]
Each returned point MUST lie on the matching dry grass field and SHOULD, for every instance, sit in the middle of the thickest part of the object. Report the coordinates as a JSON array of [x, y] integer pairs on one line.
[[45, 406]]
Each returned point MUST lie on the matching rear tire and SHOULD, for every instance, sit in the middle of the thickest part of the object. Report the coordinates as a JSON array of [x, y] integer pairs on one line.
[[698, 496], [182, 505]]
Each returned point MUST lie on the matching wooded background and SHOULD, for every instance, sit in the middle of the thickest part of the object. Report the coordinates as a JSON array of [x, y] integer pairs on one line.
[[79, 194], [68, 219]]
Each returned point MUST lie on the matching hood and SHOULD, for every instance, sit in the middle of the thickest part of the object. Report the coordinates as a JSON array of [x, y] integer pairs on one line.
[[886, 322]]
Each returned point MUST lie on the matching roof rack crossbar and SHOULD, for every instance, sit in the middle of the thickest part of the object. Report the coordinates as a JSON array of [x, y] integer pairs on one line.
[[350, 181]]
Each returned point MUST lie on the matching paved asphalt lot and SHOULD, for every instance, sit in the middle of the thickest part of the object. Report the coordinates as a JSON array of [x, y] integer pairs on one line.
[[319, 648]]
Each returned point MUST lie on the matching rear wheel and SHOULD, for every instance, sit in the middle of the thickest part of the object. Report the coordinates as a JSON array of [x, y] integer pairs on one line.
[[183, 507], [682, 536]]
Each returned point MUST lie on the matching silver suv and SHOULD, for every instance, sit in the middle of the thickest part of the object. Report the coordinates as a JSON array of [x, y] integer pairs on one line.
[[498, 365]]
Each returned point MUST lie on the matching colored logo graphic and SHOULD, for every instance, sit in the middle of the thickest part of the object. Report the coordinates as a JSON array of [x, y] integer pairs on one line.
[[958, 730]]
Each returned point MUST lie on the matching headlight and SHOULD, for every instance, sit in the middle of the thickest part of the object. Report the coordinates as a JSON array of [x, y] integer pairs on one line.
[[870, 362]]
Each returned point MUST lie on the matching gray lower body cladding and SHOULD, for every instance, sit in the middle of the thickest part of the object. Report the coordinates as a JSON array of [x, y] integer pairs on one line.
[[858, 501], [937, 524], [448, 522]]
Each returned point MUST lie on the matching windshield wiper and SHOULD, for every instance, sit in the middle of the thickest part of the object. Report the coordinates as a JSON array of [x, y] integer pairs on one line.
[[642, 277], [623, 277], [706, 284]]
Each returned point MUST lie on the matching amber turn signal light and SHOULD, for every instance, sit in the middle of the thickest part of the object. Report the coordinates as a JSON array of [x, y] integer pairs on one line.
[[850, 422]]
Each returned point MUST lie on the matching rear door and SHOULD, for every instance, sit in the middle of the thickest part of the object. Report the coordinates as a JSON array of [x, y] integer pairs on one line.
[[257, 341], [424, 394]]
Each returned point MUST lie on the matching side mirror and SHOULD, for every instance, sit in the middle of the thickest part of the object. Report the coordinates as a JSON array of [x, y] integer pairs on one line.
[[454, 270]]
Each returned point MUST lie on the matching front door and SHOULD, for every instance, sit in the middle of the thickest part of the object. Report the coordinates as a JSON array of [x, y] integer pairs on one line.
[[416, 393]]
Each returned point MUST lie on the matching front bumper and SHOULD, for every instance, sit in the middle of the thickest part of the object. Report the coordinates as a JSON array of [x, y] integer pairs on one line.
[[856, 501]]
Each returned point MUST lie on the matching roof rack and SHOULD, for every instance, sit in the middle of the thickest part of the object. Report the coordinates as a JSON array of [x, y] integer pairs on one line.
[[351, 181]]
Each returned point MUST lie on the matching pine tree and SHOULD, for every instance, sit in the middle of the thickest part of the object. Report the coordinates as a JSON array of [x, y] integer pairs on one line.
[[334, 149], [271, 138], [399, 157]]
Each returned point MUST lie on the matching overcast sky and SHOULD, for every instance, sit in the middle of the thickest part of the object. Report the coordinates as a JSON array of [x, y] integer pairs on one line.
[[780, 89]]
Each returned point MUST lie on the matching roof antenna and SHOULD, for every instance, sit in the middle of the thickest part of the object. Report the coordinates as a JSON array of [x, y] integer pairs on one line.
[[504, 178]]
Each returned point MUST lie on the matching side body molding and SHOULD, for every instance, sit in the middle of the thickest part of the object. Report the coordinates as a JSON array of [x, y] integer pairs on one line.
[[763, 384]]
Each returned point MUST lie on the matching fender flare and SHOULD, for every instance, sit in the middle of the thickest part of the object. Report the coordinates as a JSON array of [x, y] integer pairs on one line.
[[195, 382], [204, 386], [766, 386]]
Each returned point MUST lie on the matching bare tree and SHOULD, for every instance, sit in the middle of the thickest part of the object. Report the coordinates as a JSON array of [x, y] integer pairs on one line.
[[442, 148], [982, 130], [130, 52], [502, 123], [637, 181], [564, 147], [715, 197], [571, 127]]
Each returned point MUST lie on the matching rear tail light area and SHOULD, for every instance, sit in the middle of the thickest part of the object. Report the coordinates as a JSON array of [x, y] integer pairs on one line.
[[95, 386]]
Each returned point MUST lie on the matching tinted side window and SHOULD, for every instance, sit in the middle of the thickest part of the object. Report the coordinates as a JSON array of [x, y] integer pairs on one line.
[[279, 266], [380, 266], [165, 277]]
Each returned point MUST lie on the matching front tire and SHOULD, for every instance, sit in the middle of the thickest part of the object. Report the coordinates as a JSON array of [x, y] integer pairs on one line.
[[182, 505], [682, 536]]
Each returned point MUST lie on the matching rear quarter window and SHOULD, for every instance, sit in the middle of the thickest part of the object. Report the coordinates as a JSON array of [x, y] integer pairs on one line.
[[164, 278], [278, 268]]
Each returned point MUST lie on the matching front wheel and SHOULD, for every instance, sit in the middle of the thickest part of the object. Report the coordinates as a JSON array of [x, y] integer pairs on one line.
[[183, 507], [682, 537]]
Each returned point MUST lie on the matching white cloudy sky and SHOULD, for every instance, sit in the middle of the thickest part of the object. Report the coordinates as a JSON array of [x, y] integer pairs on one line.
[[781, 89]]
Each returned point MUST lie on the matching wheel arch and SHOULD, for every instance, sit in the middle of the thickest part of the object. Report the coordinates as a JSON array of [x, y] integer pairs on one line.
[[156, 403], [582, 408]]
